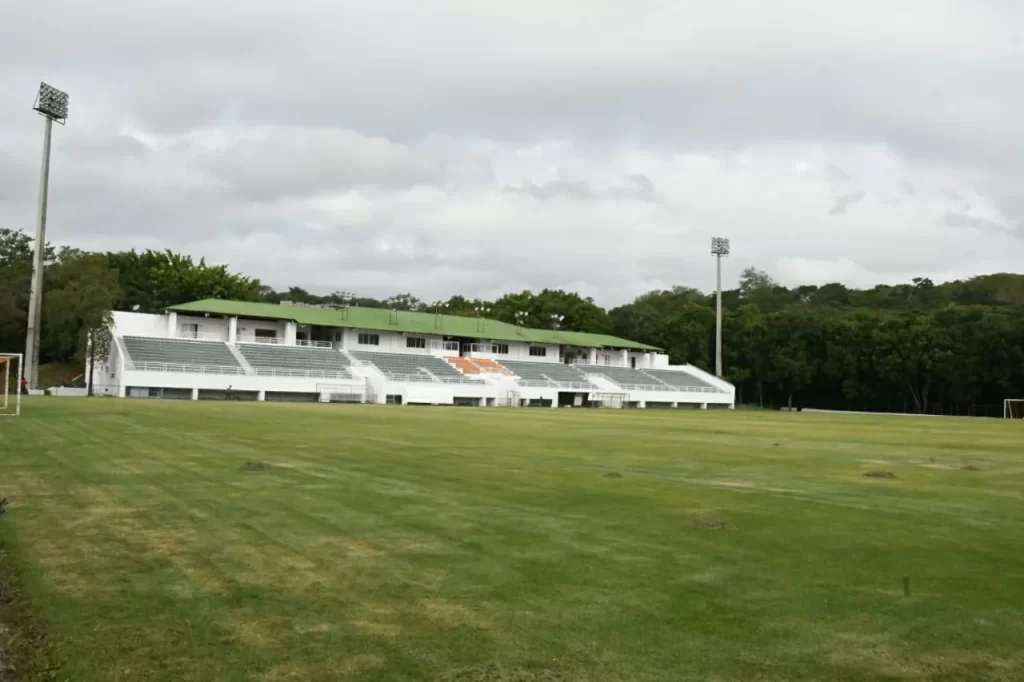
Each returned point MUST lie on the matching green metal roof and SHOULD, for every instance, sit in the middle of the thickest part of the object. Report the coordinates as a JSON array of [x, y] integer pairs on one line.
[[381, 319]]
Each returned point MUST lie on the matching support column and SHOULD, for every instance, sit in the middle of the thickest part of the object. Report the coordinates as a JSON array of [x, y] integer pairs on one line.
[[703, 406], [172, 324], [232, 329], [624, 358], [290, 328], [195, 394], [261, 396], [641, 404], [675, 404]]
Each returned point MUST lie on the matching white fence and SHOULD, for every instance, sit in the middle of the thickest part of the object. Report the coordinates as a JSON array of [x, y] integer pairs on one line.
[[184, 368], [303, 373]]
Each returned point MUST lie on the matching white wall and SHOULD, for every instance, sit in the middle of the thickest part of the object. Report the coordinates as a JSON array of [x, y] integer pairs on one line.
[[238, 382], [217, 326], [139, 324], [247, 328]]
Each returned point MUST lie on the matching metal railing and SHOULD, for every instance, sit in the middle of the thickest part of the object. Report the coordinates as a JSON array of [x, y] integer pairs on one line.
[[409, 378], [446, 379], [184, 368], [274, 341], [314, 344], [267, 340], [196, 336], [301, 373]]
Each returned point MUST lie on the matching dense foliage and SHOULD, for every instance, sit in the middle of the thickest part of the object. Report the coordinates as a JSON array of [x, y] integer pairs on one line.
[[953, 348]]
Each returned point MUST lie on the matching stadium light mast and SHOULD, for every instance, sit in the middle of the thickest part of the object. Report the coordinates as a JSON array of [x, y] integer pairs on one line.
[[52, 104], [521, 316], [719, 248], [481, 323]]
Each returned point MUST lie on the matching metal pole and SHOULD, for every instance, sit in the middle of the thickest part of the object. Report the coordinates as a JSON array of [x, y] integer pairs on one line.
[[35, 304], [718, 321]]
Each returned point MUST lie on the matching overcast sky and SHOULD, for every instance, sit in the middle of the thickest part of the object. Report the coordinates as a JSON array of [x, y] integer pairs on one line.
[[460, 146]]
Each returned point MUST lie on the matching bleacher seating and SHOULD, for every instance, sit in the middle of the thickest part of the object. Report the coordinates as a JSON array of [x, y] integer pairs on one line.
[[541, 371], [295, 360], [464, 365], [181, 356], [625, 376], [408, 365], [678, 379], [488, 365]]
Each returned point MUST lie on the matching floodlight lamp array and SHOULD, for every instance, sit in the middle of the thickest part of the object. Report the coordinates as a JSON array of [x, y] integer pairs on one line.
[[52, 102], [719, 246]]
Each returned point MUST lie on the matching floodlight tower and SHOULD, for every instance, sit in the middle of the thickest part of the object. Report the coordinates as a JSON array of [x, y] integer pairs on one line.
[[52, 104], [481, 323], [521, 316], [719, 248]]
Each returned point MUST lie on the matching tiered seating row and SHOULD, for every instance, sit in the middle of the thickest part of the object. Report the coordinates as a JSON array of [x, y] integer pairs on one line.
[[412, 367], [174, 355], [678, 379], [546, 371], [275, 360]]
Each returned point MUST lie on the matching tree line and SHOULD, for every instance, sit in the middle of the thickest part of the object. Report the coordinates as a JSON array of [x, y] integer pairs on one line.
[[951, 348]]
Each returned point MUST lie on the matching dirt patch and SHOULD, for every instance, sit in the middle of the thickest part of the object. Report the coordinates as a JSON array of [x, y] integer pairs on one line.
[[256, 466], [710, 523], [971, 467], [6, 673], [495, 672], [880, 474], [613, 474], [444, 612], [378, 629]]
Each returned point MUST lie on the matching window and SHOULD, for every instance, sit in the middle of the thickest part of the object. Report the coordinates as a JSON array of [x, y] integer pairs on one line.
[[265, 333], [538, 351], [190, 331], [369, 339], [337, 336], [500, 349], [415, 342]]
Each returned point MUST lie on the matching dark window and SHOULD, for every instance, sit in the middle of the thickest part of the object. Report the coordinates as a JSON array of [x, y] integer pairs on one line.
[[500, 349], [265, 333], [415, 342], [369, 339], [538, 351]]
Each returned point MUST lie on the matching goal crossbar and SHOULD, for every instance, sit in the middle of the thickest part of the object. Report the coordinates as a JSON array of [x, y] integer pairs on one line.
[[1013, 408], [10, 373]]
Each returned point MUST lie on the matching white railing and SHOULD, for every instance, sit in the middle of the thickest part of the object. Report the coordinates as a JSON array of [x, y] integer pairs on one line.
[[551, 383], [275, 341], [198, 336], [409, 378], [460, 380], [302, 373], [185, 368], [314, 344], [269, 340]]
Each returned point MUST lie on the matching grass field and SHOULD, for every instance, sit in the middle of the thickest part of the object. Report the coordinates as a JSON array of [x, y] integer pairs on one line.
[[389, 543]]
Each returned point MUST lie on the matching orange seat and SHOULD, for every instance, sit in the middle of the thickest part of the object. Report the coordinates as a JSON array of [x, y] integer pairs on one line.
[[464, 365], [491, 365]]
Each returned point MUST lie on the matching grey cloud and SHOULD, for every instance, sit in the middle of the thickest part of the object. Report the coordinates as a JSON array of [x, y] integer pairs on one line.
[[836, 174], [635, 187], [227, 133], [846, 201], [963, 220], [296, 162]]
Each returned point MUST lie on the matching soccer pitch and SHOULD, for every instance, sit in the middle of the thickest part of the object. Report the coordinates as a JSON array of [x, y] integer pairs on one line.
[[396, 543]]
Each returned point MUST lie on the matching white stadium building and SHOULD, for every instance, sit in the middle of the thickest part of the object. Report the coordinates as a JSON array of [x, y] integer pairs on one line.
[[215, 349]]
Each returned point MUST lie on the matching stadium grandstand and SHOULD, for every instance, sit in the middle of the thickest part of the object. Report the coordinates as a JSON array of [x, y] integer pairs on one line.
[[216, 349]]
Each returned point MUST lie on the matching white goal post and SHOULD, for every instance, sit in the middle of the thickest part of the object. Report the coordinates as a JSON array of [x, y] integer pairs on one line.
[[1013, 408], [10, 374], [608, 400]]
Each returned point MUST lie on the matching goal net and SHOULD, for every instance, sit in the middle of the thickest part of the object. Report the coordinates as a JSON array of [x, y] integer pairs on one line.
[[1013, 408], [608, 400], [10, 374]]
